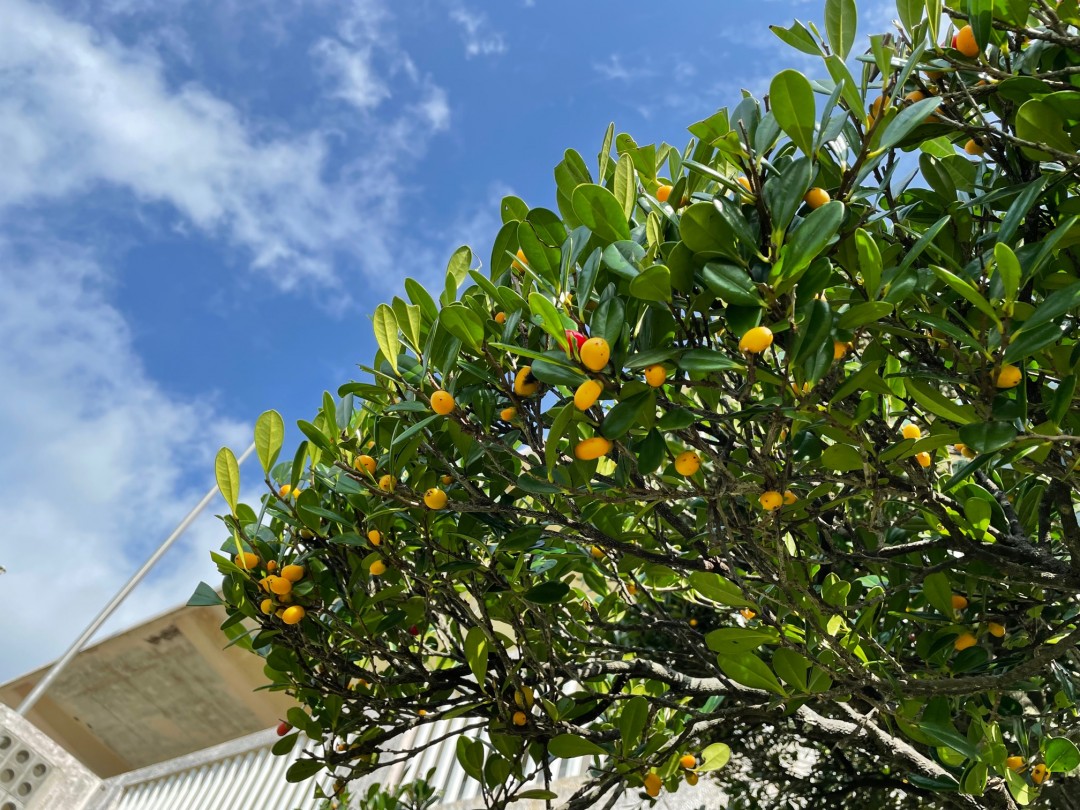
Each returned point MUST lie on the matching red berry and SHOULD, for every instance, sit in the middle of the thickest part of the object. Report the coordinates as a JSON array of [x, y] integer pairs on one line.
[[283, 728], [954, 42], [576, 340], [414, 630]]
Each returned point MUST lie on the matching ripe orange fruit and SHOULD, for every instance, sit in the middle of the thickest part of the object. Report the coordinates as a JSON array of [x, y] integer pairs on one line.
[[816, 197], [591, 449], [267, 606], [839, 350], [446, 480], [973, 147], [692, 622], [876, 109], [747, 613], [387, 483], [521, 262], [653, 784], [247, 561], [377, 568], [687, 463], [293, 615], [435, 498], [1008, 377], [520, 718], [914, 95], [959, 602], [688, 761], [965, 42], [525, 384], [995, 629], [508, 414], [597, 552], [655, 375], [745, 183], [587, 393], [910, 431], [375, 537], [756, 340], [500, 318], [963, 641], [442, 402], [279, 585], [662, 193], [285, 491], [1039, 774], [964, 450], [422, 712], [771, 500], [789, 497], [525, 697], [365, 463], [595, 353], [1015, 764], [631, 588], [271, 566], [924, 460], [293, 573]]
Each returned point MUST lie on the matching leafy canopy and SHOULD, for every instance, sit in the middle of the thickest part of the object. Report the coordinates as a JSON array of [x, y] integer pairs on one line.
[[873, 538]]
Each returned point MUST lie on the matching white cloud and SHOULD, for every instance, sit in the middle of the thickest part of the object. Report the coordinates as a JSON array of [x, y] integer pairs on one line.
[[80, 111], [614, 70], [100, 457], [480, 39]]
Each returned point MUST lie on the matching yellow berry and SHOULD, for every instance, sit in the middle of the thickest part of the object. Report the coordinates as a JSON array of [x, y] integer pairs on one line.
[[500, 318], [655, 375], [1039, 774], [965, 42], [247, 561], [442, 402], [293, 573], [963, 641], [789, 497], [525, 697], [816, 197], [387, 483], [375, 537], [924, 459], [587, 393], [756, 340], [745, 183], [521, 262], [839, 350], [279, 585], [267, 606], [653, 784], [377, 568], [508, 414], [910, 431], [597, 552], [663, 193], [271, 566], [973, 147], [959, 602], [593, 448], [747, 613], [293, 614], [995, 629], [285, 491], [595, 353], [688, 761], [1015, 764], [365, 463], [435, 498], [914, 95], [687, 463], [525, 384], [771, 500], [520, 718], [1008, 377]]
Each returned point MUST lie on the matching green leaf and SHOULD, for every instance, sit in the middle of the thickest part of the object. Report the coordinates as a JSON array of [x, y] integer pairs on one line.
[[938, 592], [1038, 122], [707, 360], [1008, 268], [204, 596], [751, 671], [1055, 305], [909, 119], [732, 284], [988, 436], [386, 334], [842, 457], [547, 593], [625, 185], [476, 652], [470, 755], [739, 640], [792, 100], [967, 291], [714, 757], [464, 324], [798, 38], [303, 769], [227, 472], [705, 230], [315, 436], [811, 237], [653, 284], [537, 794], [269, 435], [568, 746], [632, 720], [598, 209], [625, 415], [457, 270], [793, 668], [1019, 208], [1019, 788], [548, 318], [869, 262], [939, 404], [718, 589], [1061, 755], [840, 23], [864, 313]]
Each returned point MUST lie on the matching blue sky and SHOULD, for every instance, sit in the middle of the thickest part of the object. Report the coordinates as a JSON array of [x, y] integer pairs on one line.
[[202, 201]]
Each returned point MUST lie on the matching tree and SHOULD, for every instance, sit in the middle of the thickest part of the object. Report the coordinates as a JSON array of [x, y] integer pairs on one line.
[[770, 439]]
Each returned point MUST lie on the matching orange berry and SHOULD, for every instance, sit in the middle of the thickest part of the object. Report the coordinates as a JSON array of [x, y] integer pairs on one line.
[[377, 568], [375, 537], [286, 490], [995, 629], [587, 393], [293, 615], [662, 193], [267, 606], [597, 553], [387, 483], [595, 353], [756, 340], [771, 500], [910, 431], [1015, 764], [525, 384], [442, 402], [745, 183], [688, 761], [435, 499], [365, 463], [1039, 774], [687, 463], [293, 573], [973, 147], [521, 262], [959, 602], [500, 318], [271, 566], [520, 718], [247, 560], [1008, 377], [789, 497], [839, 350], [963, 641], [653, 784], [914, 95], [279, 585], [966, 44], [924, 460], [591, 449], [747, 614], [508, 414], [816, 197], [692, 622], [655, 375]]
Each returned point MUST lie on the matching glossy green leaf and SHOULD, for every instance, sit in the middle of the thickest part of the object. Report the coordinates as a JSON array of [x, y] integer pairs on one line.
[[227, 473], [749, 670], [269, 435], [840, 23], [386, 334], [597, 208], [568, 746], [792, 100]]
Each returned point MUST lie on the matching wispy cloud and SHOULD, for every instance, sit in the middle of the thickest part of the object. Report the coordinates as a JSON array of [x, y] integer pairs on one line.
[[480, 39]]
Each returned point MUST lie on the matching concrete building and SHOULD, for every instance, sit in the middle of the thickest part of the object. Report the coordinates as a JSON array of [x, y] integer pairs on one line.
[[164, 717]]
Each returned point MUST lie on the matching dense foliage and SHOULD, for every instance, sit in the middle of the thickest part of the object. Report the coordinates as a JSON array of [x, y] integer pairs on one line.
[[587, 503]]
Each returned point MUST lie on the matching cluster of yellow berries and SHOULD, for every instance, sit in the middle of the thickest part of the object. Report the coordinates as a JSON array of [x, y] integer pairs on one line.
[[279, 586], [966, 639]]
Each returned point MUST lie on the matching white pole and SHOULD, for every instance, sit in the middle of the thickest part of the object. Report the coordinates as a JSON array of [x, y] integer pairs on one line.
[[61, 664]]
